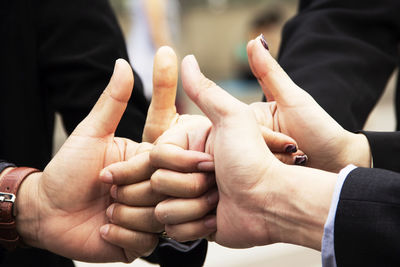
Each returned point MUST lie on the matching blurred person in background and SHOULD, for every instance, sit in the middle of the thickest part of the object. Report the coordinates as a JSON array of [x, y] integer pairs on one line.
[[268, 22], [154, 23]]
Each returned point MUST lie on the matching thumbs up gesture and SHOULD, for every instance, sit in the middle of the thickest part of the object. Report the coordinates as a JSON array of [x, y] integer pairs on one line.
[[298, 115], [260, 200], [63, 209], [162, 113]]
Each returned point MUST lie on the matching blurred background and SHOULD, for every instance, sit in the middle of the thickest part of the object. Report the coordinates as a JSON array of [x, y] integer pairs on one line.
[[216, 32]]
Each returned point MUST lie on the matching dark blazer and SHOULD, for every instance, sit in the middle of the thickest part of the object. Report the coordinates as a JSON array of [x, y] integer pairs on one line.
[[58, 56], [367, 224], [343, 52]]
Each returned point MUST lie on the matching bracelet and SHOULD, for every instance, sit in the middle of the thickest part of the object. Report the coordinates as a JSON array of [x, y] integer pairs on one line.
[[9, 185]]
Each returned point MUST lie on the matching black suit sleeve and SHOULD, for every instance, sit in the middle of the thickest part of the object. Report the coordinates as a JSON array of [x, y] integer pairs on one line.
[[368, 218], [385, 149], [79, 41], [343, 52]]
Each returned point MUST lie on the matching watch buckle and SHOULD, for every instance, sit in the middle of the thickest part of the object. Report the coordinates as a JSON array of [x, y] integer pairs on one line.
[[7, 197]]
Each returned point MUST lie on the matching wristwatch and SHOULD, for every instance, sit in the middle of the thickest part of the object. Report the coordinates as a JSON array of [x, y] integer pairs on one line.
[[9, 185]]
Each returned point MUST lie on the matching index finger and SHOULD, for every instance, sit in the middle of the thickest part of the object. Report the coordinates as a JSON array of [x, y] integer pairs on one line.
[[135, 170]]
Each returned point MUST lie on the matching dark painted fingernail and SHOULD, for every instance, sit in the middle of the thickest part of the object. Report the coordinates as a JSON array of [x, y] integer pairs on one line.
[[291, 148], [264, 42], [301, 160]]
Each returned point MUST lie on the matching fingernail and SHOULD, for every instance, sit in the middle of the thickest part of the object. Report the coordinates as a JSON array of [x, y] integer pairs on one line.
[[206, 166], [211, 222], [301, 160], [110, 212], [113, 192], [264, 42], [213, 198], [104, 229], [116, 64], [106, 176], [291, 148]]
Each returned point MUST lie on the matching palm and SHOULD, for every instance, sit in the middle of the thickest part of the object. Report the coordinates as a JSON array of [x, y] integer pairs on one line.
[[235, 131], [78, 199], [236, 231], [72, 198]]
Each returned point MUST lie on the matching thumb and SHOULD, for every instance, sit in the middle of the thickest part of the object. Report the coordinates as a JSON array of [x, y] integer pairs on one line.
[[162, 110], [215, 102], [276, 84], [104, 117]]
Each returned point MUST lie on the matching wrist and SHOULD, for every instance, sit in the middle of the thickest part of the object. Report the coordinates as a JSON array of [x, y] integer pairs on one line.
[[26, 210], [299, 205], [357, 151]]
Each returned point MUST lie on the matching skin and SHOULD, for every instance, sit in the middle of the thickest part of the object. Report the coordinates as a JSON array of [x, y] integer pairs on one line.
[[327, 144], [63, 208], [70, 210], [194, 180], [94, 201], [261, 200]]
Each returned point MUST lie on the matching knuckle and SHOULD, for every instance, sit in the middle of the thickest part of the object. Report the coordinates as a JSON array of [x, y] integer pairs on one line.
[[155, 156], [202, 184], [194, 185], [121, 194], [156, 226], [155, 181], [161, 214]]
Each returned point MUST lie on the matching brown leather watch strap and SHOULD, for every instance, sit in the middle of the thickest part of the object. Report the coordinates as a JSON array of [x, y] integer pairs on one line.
[[9, 185]]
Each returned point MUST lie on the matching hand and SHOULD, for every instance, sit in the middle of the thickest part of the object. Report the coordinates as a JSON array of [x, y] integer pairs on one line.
[[261, 200], [162, 113], [326, 143], [63, 209], [131, 188]]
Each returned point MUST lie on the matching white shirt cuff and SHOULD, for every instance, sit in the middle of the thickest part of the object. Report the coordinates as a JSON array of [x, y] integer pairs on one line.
[[328, 243]]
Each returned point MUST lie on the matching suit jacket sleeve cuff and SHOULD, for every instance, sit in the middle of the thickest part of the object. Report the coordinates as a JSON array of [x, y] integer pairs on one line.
[[385, 147]]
